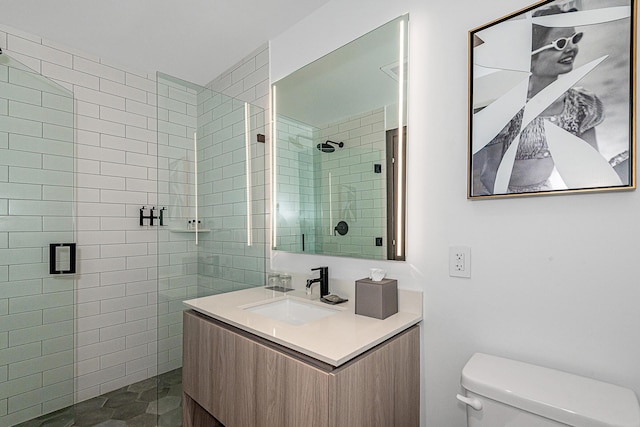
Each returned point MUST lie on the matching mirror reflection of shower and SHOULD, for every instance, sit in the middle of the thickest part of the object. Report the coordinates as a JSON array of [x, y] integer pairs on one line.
[[327, 147]]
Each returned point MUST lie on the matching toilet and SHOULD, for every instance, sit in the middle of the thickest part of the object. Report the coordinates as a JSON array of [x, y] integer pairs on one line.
[[500, 392]]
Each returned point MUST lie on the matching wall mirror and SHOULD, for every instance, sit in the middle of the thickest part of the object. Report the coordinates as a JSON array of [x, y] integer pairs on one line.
[[339, 138]]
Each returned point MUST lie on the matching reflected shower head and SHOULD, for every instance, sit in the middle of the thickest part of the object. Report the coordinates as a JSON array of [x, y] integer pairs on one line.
[[326, 147]]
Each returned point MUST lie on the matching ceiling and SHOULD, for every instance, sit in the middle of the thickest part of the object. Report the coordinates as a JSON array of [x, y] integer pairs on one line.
[[358, 77], [195, 40]]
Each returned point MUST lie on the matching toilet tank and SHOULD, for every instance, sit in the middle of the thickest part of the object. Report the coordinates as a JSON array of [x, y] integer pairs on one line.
[[517, 394]]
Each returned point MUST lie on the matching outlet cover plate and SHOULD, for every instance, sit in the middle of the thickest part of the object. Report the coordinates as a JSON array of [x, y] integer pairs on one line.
[[460, 261]]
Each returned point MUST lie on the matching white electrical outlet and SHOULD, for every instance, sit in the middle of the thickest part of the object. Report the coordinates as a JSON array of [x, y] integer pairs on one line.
[[459, 261]]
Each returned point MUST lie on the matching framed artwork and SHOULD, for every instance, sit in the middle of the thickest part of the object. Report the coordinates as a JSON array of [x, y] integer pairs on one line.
[[552, 100]]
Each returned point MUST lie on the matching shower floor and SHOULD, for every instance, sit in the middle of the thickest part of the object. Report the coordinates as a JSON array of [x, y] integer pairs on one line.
[[153, 402]]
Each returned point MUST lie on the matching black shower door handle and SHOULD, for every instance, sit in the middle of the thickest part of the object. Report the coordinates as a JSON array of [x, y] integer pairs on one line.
[[53, 255]]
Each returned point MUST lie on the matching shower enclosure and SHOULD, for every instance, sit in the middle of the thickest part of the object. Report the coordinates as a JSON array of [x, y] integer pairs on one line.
[[212, 239], [211, 183], [36, 219], [331, 192]]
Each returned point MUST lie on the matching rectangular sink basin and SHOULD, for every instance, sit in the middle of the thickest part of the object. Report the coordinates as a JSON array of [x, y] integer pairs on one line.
[[291, 311]]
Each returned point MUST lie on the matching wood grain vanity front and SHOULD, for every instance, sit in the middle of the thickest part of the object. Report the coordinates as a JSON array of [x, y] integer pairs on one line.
[[234, 378]]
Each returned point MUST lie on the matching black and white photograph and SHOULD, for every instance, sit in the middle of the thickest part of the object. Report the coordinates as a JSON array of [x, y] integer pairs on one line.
[[551, 106]]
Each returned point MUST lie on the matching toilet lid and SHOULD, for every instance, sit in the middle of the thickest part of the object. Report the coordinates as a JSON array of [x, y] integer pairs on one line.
[[560, 396]]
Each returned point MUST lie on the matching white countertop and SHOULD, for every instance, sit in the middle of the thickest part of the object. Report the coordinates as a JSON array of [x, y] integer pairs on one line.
[[334, 340]]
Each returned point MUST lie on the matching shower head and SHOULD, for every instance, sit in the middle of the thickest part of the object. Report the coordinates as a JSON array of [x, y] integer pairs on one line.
[[0, 51], [326, 147]]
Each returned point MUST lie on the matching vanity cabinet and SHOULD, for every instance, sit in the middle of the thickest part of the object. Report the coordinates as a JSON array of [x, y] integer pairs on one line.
[[234, 378]]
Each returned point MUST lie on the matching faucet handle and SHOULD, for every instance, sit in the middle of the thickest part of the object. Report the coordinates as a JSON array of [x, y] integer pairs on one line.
[[320, 268]]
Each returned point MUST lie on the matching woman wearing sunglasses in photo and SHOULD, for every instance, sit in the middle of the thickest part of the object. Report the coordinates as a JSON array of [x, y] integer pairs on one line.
[[577, 111]]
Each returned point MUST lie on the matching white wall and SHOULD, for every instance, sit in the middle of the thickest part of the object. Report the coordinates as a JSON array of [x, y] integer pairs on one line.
[[553, 278]]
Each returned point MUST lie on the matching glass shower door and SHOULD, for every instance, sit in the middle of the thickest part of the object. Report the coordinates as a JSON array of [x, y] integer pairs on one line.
[[36, 211], [211, 165]]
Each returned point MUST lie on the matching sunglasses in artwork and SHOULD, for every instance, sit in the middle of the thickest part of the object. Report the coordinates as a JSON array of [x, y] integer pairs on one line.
[[560, 43]]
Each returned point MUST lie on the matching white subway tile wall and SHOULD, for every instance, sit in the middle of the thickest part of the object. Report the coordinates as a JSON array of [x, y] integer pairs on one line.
[[358, 195], [223, 260], [295, 210], [250, 83], [36, 194], [307, 204], [125, 331], [177, 258], [115, 175], [227, 259], [248, 80]]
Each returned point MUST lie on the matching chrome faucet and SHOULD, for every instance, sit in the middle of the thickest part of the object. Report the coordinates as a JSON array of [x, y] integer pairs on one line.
[[323, 280]]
